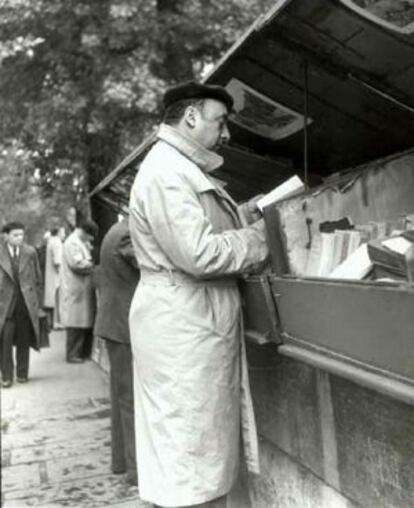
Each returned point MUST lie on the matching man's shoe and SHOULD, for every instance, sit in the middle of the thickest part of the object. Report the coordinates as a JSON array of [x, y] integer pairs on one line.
[[75, 360], [22, 380], [6, 384]]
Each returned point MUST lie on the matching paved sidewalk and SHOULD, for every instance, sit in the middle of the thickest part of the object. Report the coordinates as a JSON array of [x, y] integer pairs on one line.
[[56, 437]]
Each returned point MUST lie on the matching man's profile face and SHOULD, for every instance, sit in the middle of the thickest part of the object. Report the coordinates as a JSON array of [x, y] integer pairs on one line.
[[62, 233], [86, 237], [71, 216], [210, 124], [15, 237]]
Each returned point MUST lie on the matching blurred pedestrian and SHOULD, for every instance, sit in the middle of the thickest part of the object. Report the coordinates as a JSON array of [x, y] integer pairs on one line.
[[62, 233], [52, 267], [77, 298], [57, 325], [20, 301], [41, 252], [71, 219], [118, 277]]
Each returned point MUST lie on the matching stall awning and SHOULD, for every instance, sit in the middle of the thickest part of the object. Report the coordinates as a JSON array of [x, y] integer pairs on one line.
[[355, 61], [359, 73]]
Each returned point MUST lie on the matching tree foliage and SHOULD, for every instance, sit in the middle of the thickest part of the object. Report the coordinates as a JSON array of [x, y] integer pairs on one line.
[[22, 199], [81, 80]]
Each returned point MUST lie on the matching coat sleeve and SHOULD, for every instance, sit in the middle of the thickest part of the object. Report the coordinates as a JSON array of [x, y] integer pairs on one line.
[[77, 260], [185, 234], [56, 252], [126, 250], [37, 277]]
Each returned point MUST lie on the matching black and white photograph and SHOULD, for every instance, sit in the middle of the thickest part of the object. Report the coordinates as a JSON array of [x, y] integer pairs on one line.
[[259, 114], [207, 253], [394, 14]]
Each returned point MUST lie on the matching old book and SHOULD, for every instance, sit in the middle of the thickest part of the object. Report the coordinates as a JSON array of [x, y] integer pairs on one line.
[[374, 230], [356, 266], [346, 245], [398, 244], [409, 221], [390, 253], [382, 230], [338, 248], [326, 253], [366, 231], [354, 241], [287, 189]]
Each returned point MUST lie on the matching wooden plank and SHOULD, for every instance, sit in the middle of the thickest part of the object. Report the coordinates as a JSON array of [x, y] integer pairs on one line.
[[367, 322], [278, 254], [260, 311]]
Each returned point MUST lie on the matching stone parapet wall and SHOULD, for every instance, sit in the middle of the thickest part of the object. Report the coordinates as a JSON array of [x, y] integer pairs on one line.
[[327, 442]]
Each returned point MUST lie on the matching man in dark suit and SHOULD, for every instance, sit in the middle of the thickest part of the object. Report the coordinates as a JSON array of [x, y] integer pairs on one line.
[[118, 277], [20, 297]]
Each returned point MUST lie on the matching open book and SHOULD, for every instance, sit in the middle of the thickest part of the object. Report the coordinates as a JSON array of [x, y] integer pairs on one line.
[[288, 188]]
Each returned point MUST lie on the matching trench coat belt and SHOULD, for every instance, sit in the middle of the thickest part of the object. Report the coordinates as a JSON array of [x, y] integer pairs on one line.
[[177, 278]]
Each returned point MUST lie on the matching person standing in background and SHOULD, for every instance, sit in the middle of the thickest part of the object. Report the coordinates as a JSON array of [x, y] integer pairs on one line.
[[41, 252], [52, 267], [56, 314], [20, 299], [118, 278], [77, 298], [71, 219]]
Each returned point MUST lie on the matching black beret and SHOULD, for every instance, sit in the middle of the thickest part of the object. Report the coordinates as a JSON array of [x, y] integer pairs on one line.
[[193, 90]]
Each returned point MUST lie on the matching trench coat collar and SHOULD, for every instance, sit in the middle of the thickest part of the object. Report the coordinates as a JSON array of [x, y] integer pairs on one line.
[[205, 159]]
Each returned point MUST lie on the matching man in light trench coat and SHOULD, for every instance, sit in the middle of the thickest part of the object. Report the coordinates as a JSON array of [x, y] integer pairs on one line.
[[52, 266], [77, 295], [192, 397]]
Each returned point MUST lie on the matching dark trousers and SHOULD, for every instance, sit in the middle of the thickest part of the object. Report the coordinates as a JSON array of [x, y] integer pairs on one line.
[[17, 330], [78, 343], [122, 408]]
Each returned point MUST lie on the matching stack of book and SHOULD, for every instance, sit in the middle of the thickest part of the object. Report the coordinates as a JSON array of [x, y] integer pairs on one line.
[[389, 256], [343, 250], [376, 249]]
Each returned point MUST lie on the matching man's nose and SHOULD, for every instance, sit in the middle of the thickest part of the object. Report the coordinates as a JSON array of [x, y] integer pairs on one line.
[[225, 134]]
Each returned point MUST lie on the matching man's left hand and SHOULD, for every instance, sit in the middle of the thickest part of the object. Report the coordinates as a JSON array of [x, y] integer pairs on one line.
[[250, 211]]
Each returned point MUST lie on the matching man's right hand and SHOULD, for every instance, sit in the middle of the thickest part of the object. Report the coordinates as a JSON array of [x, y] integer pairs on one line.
[[250, 211]]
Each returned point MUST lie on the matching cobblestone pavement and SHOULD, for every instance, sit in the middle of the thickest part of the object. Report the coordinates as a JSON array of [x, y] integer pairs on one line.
[[56, 437]]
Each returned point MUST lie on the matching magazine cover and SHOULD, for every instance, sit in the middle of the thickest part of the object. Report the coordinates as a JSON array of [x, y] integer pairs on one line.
[[260, 114], [397, 15]]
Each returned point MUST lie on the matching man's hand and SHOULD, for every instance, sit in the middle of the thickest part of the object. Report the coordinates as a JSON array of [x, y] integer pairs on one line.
[[41, 313], [250, 211]]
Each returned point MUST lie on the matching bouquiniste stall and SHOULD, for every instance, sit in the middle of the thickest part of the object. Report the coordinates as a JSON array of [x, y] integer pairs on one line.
[[323, 89]]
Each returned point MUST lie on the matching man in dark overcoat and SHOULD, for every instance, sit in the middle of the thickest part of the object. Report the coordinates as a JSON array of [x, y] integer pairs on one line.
[[118, 277], [20, 299]]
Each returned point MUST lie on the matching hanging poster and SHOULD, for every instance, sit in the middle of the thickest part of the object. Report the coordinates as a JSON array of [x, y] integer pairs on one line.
[[396, 15], [260, 114]]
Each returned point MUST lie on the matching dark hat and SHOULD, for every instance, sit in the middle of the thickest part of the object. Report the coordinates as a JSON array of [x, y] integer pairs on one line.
[[10, 226], [89, 227], [193, 90]]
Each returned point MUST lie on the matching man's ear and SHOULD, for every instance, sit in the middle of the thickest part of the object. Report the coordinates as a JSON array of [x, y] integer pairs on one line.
[[189, 117]]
